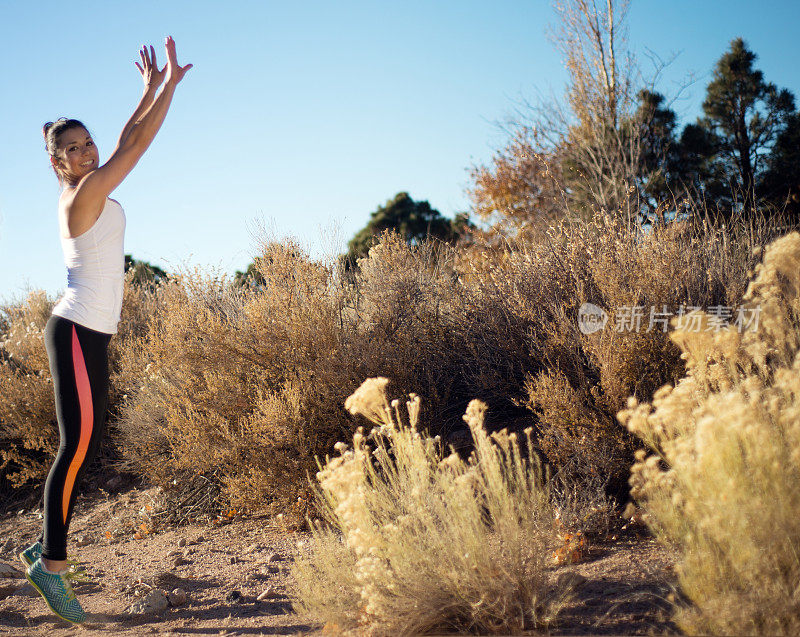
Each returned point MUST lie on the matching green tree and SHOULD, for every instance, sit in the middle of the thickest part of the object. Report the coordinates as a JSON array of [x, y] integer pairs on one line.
[[780, 183], [145, 274], [744, 117], [414, 220], [251, 276], [660, 174]]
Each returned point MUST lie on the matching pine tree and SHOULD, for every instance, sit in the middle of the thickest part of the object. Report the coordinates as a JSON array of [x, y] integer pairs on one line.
[[744, 116], [414, 220]]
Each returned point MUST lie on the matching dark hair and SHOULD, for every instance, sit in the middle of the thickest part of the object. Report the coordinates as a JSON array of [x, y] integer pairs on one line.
[[52, 131]]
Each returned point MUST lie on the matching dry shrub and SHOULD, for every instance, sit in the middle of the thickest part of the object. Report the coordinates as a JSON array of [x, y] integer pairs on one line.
[[246, 384], [723, 484], [529, 294], [421, 542], [28, 427]]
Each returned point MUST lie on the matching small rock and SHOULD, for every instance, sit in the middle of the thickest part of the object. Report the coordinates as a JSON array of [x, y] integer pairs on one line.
[[180, 561], [270, 569], [190, 551], [83, 540], [273, 557], [177, 597], [234, 559], [6, 570], [182, 542], [233, 596], [174, 553], [155, 601], [199, 539], [267, 593]]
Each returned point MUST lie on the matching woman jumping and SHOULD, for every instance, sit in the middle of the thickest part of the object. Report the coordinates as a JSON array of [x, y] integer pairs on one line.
[[77, 334]]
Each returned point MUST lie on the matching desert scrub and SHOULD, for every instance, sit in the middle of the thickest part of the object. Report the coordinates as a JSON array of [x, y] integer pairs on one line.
[[417, 540], [580, 381], [28, 427], [723, 483]]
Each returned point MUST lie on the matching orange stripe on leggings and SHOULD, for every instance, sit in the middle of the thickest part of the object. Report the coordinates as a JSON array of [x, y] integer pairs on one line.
[[87, 419]]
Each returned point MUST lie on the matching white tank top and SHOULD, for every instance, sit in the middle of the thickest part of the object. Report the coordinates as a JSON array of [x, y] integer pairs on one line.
[[95, 263]]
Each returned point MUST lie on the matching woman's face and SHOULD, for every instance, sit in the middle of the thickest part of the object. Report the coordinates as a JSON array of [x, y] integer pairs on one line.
[[77, 154]]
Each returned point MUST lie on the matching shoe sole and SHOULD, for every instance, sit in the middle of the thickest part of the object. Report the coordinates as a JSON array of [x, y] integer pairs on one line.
[[48, 602]]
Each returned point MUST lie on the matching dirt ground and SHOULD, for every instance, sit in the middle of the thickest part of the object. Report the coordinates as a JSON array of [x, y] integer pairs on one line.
[[622, 588]]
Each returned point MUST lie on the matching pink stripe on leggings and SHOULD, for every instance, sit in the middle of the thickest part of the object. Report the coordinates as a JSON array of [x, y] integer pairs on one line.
[[87, 419]]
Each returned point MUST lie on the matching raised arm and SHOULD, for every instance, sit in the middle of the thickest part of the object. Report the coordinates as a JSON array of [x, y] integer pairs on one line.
[[152, 77], [92, 190]]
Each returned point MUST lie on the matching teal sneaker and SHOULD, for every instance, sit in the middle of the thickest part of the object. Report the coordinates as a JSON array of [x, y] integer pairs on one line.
[[76, 573], [31, 554], [56, 589]]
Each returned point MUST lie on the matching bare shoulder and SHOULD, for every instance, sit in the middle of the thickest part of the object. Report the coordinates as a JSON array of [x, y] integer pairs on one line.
[[76, 217]]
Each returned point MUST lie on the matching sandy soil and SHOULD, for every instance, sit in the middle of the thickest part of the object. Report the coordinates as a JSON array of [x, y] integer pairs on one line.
[[621, 589]]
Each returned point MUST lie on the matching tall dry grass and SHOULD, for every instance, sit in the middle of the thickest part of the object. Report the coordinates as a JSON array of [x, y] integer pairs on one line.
[[723, 482], [420, 541]]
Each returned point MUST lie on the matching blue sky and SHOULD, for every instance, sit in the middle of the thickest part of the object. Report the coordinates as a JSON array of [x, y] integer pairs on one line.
[[304, 116]]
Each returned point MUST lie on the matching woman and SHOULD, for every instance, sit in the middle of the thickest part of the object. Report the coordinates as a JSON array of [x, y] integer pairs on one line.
[[78, 332]]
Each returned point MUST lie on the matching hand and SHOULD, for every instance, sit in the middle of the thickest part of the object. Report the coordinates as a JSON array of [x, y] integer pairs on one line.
[[149, 69], [175, 73]]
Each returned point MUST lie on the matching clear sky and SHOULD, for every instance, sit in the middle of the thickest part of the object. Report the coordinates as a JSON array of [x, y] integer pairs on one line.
[[304, 116]]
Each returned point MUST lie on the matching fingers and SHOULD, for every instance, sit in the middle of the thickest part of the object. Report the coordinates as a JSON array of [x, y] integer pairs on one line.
[[141, 70], [171, 55], [153, 56]]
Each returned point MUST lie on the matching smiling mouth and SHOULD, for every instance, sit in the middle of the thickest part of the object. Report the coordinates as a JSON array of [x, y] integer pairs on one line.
[[86, 164]]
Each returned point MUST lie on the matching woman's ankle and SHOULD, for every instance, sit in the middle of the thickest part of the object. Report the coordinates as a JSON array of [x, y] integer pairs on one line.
[[54, 566]]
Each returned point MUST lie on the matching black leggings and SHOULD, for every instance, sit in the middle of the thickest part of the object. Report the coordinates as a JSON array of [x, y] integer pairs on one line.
[[79, 368]]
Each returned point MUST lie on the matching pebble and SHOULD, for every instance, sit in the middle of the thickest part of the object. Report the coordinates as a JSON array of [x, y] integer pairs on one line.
[[233, 596], [267, 593], [180, 561], [182, 542], [177, 597], [155, 601], [83, 540], [199, 539], [273, 557]]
